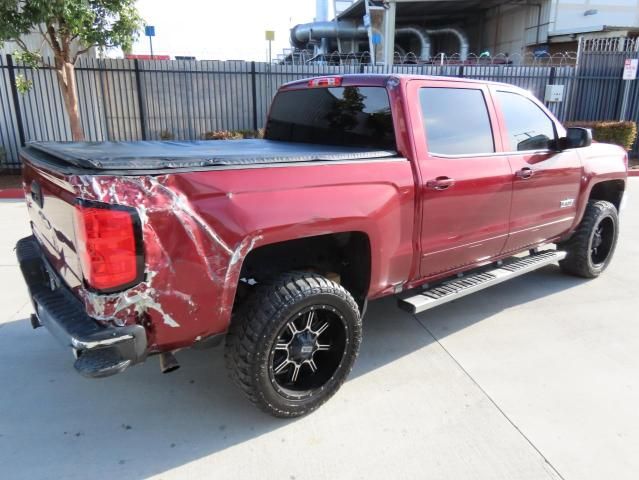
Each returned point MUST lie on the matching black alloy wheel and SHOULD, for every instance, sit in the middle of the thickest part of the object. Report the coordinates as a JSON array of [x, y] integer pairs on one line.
[[591, 247], [308, 351], [602, 241], [293, 342]]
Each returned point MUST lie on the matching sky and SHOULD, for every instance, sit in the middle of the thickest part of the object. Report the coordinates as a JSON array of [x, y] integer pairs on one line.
[[220, 29]]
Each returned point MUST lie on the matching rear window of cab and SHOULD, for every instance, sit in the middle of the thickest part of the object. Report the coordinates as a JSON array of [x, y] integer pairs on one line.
[[343, 116]]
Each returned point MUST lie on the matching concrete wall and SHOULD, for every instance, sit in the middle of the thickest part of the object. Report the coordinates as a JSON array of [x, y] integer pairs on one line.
[[35, 44], [33, 41], [567, 16], [512, 28]]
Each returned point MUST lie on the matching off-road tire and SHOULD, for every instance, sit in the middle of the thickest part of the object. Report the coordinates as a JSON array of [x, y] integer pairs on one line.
[[579, 258], [254, 332]]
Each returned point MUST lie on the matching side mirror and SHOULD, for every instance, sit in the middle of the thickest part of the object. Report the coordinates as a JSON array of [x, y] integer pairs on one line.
[[576, 137]]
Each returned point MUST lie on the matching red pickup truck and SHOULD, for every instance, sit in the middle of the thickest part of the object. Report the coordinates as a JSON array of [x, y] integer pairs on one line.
[[364, 186]]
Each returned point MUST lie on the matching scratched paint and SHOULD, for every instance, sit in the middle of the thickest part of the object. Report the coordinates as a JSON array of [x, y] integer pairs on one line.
[[157, 295]]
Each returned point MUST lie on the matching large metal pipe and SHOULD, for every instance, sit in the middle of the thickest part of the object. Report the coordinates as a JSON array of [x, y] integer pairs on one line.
[[463, 39], [321, 10], [302, 34], [424, 41], [321, 15]]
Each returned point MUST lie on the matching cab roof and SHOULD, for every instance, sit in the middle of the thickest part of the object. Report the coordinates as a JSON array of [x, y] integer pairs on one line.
[[381, 79]]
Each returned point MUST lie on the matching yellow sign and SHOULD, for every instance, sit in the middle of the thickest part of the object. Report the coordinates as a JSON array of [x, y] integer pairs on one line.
[[270, 35]]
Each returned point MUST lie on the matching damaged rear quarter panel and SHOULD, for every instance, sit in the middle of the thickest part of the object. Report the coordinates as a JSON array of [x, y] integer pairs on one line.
[[199, 226], [186, 261]]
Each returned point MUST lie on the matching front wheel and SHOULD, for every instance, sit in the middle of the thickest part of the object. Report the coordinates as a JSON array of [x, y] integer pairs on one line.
[[293, 343], [591, 247]]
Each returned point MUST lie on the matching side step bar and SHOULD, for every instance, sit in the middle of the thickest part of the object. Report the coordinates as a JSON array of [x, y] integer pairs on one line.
[[473, 282]]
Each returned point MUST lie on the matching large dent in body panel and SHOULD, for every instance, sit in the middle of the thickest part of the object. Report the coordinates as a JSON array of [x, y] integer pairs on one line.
[[157, 295]]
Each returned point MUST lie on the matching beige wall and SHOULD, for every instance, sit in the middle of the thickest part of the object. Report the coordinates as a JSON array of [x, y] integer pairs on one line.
[[34, 43], [511, 28], [568, 15]]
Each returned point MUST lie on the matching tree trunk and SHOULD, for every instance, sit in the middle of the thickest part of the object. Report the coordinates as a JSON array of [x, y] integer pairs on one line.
[[66, 77]]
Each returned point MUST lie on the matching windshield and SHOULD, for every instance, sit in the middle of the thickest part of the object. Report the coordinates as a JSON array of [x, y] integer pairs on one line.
[[345, 116]]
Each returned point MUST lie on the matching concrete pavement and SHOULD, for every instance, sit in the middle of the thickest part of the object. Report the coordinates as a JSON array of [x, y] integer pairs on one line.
[[533, 379]]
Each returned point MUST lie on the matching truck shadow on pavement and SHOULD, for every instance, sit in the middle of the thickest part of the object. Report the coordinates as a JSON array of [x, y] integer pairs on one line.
[[143, 423]]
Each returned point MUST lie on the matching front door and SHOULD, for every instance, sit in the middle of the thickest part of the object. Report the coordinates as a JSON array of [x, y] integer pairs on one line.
[[545, 182], [465, 184]]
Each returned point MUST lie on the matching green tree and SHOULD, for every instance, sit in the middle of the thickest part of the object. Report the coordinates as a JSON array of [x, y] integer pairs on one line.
[[70, 28]]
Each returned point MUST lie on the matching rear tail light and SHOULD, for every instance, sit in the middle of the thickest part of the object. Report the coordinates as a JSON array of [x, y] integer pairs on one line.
[[325, 82], [107, 241]]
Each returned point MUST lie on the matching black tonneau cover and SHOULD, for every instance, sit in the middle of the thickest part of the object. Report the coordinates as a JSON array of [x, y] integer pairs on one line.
[[153, 155]]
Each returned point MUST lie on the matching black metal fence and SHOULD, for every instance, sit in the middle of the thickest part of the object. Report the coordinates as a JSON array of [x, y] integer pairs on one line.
[[602, 93], [145, 99]]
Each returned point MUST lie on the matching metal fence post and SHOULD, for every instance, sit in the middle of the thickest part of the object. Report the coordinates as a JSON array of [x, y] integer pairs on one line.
[[574, 84], [138, 86], [552, 75], [254, 94], [16, 99], [551, 81]]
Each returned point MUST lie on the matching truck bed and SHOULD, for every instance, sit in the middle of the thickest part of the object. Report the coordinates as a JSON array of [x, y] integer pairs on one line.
[[158, 155]]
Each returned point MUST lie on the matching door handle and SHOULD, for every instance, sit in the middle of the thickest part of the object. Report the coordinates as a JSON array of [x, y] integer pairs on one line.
[[525, 173], [440, 183]]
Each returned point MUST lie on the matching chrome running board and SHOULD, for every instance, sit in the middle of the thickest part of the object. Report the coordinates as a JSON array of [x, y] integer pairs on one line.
[[458, 287]]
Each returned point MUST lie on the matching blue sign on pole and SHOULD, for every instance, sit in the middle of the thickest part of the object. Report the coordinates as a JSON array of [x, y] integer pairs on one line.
[[377, 39], [149, 31]]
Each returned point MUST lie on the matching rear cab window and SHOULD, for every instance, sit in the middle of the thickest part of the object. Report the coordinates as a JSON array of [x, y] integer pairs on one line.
[[342, 116]]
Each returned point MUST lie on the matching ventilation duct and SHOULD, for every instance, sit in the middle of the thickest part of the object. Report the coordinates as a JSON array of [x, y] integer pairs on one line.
[[461, 36], [424, 41], [303, 34]]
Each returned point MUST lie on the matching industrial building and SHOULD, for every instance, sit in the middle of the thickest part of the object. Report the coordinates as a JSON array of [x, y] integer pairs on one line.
[[461, 30]]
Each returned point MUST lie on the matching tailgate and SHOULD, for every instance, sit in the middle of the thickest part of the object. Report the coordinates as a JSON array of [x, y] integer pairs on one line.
[[50, 203]]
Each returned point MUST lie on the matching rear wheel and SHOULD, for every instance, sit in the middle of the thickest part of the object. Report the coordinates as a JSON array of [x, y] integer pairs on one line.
[[591, 247], [293, 343]]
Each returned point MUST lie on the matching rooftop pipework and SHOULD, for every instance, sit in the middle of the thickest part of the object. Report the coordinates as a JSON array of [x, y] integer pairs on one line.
[[324, 31]]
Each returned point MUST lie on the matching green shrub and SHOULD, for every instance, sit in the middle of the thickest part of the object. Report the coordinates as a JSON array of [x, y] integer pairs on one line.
[[252, 133], [232, 134], [619, 133], [166, 135]]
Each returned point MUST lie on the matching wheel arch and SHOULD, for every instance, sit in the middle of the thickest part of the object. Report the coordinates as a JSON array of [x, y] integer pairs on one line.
[[344, 257], [609, 190]]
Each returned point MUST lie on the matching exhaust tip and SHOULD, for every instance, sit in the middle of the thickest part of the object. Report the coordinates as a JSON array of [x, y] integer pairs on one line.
[[168, 362], [35, 321]]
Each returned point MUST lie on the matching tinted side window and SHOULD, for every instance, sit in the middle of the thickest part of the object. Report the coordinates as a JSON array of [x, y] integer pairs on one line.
[[345, 116], [456, 121], [528, 127]]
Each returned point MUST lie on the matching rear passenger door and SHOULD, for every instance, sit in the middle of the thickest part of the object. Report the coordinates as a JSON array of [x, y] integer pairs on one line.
[[545, 182], [465, 185]]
